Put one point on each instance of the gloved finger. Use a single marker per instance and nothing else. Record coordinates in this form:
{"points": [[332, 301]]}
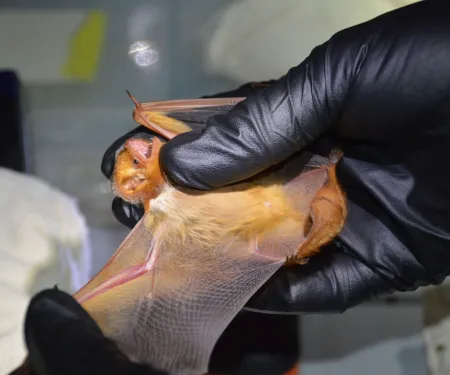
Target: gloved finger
{"points": [[129, 214], [126, 213], [331, 281], [107, 165], [242, 91], [255, 134], [63, 340], [270, 124]]}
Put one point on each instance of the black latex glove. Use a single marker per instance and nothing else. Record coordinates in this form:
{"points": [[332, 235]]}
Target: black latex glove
{"points": [[380, 91], [129, 214], [62, 339]]}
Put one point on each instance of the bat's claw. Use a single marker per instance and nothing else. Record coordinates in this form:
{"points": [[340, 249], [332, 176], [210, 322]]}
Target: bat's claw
{"points": [[296, 260], [136, 103], [335, 155]]}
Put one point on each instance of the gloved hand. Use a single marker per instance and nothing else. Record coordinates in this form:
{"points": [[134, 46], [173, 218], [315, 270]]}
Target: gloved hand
{"points": [[129, 214], [381, 92], [62, 339]]}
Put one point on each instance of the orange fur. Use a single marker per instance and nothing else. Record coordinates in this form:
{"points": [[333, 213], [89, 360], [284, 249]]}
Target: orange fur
{"points": [[138, 181]]}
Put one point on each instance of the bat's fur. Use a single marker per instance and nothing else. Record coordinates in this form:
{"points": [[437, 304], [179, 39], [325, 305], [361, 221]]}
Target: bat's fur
{"points": [[215, 217], [259, 208], [135, 180]]}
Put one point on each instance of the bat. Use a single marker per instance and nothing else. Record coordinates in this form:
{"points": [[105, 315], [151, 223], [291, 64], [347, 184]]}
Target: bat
{"points": [[195, 258]]}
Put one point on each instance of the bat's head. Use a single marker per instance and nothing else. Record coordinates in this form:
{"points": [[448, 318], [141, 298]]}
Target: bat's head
{"points": [[137, 177]]}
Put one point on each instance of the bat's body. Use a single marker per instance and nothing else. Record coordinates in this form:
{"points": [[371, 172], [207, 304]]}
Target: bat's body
{"points": [[195, 258], [243, 209], [252, 207]]}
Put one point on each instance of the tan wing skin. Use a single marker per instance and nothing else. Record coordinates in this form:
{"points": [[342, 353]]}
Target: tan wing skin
{"points": [[193, 261]]}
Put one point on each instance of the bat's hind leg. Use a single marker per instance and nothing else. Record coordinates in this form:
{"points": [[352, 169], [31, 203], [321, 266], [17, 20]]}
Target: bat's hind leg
{"points": [[295, 260], [328, 213]]}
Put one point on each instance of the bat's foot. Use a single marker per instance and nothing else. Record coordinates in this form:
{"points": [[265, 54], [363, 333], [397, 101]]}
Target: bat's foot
{"points": [[335, 155], [296, 260], [328, 213]]}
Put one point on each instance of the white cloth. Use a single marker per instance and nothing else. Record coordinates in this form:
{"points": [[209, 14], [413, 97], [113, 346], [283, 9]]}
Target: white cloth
{"points": [[256, 40], [43, 242]]}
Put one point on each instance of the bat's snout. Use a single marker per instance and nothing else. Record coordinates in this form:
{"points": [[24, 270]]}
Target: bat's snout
{"points": [[134, 181]]}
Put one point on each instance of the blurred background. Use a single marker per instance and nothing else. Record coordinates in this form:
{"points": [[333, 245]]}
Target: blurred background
{"points": [[65, 66]]}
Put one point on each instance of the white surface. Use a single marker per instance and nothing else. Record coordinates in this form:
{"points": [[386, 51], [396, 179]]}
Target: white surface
{"points": [[263, 39], [36, 43], [43, 242]]}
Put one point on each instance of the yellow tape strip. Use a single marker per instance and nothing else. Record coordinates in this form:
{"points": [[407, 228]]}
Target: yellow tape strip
{"points": [[85, 48]]}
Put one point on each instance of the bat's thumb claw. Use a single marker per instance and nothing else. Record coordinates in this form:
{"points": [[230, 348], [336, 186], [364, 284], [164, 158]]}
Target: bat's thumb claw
{"points": [[335, 155]]}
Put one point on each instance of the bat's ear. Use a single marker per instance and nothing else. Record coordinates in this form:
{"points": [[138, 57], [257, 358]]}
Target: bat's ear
{"points": [[161, 124], [320, 199], [139, 149], [145, 153]]}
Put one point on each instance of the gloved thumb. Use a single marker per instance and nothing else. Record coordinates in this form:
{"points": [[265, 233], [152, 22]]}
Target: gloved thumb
{"points": [[63, 339]]}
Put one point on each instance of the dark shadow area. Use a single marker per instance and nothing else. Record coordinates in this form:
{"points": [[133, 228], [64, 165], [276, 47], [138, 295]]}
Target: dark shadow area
{"points": [[256, 343]]}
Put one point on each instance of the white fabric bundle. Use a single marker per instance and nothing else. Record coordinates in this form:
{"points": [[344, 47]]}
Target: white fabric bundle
{"points": [[262, 39], [43, 242]]}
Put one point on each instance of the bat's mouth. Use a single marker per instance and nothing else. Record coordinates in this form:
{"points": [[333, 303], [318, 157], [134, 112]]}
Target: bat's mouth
{"points": [[133, 182]]}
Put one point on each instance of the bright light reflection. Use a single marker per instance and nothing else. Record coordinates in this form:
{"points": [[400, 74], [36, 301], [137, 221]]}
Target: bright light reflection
{"points": [[143, 53]]}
